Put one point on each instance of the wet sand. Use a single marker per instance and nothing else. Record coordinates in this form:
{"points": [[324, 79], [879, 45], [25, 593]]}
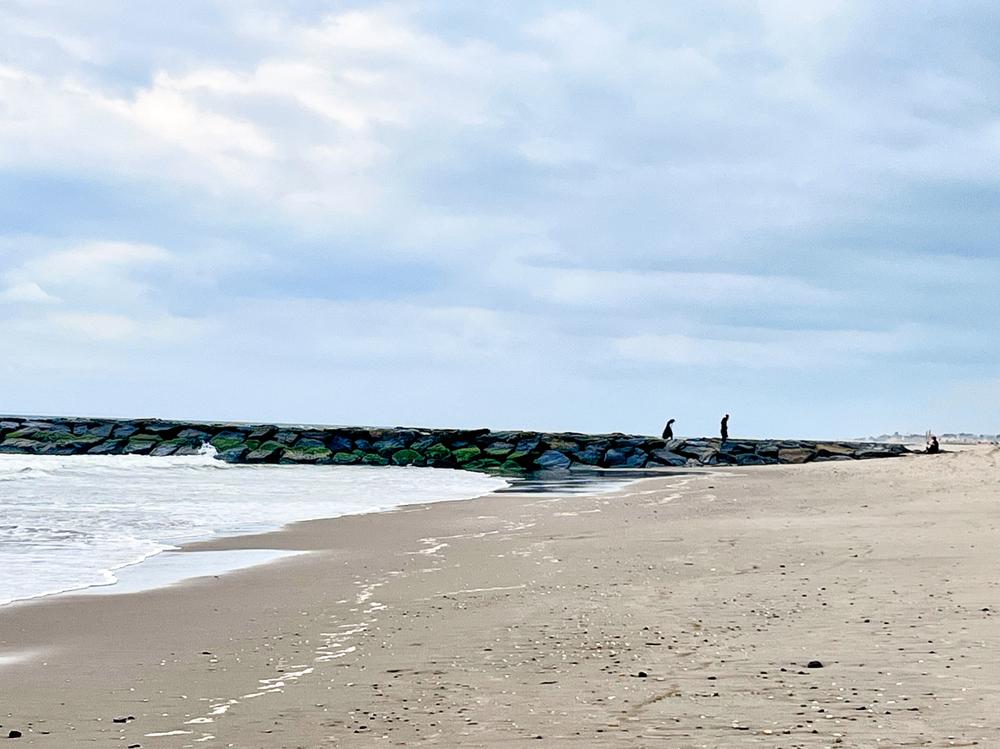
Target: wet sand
{"points": [[680, 612]]}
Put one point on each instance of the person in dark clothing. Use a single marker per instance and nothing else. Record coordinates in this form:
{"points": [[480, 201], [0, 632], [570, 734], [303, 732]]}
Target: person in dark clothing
{"points": [[933, 446], [724, 427], [668, 430]]}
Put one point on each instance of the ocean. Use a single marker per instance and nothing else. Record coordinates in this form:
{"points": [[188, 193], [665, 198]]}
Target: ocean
{"points": [[69, 523]]}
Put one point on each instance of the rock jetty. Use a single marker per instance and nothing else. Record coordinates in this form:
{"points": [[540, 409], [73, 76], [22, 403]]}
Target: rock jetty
{"points": [[504, 452]]}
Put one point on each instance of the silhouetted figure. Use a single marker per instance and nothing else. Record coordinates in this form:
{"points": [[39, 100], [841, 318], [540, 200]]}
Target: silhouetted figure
{"points": [[724, 427], [668, 430], [933, 446]]}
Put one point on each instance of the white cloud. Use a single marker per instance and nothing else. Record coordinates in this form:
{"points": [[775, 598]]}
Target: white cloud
{"points": [[668, 291], [755, 349], [105, 275], [558, 190], [96, 326], [27, 292]]}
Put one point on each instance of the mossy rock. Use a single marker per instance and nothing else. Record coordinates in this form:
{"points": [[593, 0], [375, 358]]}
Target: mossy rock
{"points": [[510, 468], [485, 465], [183, 442], [140, 446], [145, 437], [268, 452], [408, 458], [391, 444], [374, 459], [562, 445], [20, 445], [227, 441], [421, 444], [499, 450], [465, 454], [263, 432], [55, 437], [233, 455], [520, 457], [23, 433], [437, 452], [346, 459], [307, 454]]}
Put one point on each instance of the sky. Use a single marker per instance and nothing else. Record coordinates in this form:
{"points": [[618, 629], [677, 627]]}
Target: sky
{"points": [[586, 216]]}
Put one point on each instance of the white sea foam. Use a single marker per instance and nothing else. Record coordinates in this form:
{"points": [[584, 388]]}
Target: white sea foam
{"points": [[69, 522]]}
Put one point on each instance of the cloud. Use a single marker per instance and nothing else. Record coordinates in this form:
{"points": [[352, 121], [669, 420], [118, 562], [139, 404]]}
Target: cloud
{"points": [[92, 274], [594, 288], [800, 349], [27, 292], [535, 209]]}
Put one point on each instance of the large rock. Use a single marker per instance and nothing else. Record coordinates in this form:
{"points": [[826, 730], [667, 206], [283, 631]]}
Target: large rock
{"points": [[233, 454], [752, 459], [465, 454], [20, 445], [795, 455], [499, 450], [101, 431], [422, 443], [483, 465], [438, 452], [667, 458], [307, 450], [625, 457], [552, 460], [140, 444], [124, 431], [590, 455], [340, 443], [874, 452], [528, 444], [262, 433], [164, 429], [286, 436], [407, 457], [267, 452], [111, 447], [164, 449], [227, 440], [391, 444], [826, 449], [195, 435]]}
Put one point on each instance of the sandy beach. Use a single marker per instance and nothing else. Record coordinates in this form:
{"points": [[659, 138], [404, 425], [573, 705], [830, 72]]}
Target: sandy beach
{"points": [[829, 604]]}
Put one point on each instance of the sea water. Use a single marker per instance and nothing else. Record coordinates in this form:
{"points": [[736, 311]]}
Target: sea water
{"points": [[68, 523]]}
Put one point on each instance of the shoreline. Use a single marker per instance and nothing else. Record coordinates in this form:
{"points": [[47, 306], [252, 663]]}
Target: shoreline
{"points": [[147, 507], [647, 613], [581, 483]]}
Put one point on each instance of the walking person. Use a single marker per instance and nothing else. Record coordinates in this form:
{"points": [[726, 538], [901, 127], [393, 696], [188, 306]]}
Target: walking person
{"points": [[668, 430], [724, 427]]}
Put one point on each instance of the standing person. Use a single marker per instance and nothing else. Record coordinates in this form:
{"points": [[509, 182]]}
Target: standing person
{"points": [[668, 430], [724, 427]]}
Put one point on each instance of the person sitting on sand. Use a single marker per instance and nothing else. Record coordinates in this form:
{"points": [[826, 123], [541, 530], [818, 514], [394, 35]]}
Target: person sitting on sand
{"points": [[932, 446], [724, 427], [668, 430]]}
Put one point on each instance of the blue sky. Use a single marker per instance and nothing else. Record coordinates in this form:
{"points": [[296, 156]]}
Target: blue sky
{"points": [[585, 216]]}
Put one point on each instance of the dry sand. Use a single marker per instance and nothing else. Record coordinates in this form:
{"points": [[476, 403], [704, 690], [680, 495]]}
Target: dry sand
{"points": [[681, 612]]}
